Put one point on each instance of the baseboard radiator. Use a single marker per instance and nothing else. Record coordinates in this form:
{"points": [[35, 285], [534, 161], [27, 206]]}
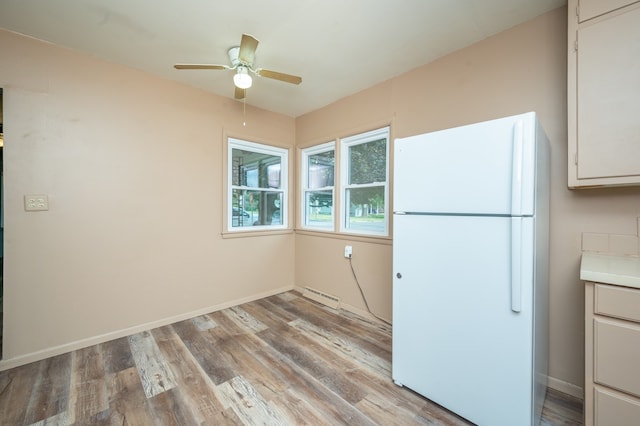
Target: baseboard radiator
{"points": [[321, 297]]}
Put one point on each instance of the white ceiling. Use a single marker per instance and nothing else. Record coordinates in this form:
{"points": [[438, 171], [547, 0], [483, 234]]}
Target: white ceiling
{"points": [[338, 47]]}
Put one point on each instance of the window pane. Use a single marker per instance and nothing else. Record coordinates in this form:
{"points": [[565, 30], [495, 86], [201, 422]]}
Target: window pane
{"points": [[254, 169], [319, 209], [273, 201], [368, 162], [320, 169], [366, 209], [255, 208]]}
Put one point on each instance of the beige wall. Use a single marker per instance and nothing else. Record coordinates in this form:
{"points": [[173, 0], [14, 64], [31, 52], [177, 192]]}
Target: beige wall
{"points": [[522, 69], [133, 167]]}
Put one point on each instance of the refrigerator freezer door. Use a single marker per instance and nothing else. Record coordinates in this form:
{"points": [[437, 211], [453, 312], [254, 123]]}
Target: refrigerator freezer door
{"points": [[484, 168], [456, 338]]}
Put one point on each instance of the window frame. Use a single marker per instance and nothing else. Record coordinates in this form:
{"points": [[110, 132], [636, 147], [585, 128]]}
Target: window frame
{"points": [[305, 154], [259, 148], [345, 168]]}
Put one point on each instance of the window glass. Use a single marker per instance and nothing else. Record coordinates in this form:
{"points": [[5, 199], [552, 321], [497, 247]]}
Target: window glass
{"points": [[318, 182], [368, 162], [258, 185], [364, 171]]}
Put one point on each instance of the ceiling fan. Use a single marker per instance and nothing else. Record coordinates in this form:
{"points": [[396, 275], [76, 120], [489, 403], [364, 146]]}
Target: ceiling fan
{"points": [[241, 58]]}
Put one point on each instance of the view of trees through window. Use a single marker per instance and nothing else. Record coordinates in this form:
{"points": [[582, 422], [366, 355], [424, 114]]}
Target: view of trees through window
{"points": [[368, 165], [257, 176], [363, 173], [318, 168], [365, 188]]}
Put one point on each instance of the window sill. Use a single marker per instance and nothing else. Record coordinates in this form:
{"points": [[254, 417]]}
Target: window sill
{"points": [[310, 232], [261, 233]]}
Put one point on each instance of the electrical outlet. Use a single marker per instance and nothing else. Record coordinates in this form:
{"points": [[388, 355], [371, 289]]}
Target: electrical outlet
{"points": [[348, 251], [36, 202]]}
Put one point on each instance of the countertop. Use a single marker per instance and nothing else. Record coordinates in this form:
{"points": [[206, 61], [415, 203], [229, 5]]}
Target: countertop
{"points": [[610, 269]]}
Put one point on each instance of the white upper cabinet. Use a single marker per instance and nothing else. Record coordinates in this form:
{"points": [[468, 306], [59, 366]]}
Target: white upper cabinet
{"points": [[592, 8], [604, 93]]}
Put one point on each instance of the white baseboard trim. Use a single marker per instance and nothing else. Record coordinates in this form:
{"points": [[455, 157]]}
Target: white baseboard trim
{"points": [[7, 364], [564, 387]]}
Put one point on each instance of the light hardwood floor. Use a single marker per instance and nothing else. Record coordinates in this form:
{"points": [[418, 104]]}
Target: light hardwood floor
{"points": [[282, 360]]}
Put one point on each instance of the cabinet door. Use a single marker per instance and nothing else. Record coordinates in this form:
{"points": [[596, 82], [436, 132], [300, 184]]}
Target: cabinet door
{"points": [[592, 8], [607, 102]]}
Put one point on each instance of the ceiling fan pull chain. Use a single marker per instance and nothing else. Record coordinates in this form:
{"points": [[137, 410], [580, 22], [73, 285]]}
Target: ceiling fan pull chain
{"points": [[244, 109]]}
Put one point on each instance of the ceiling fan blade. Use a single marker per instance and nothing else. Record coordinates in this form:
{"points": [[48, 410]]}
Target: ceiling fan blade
{"points": [[200, 67], [248, 46], [240, 93], [287, 78]]}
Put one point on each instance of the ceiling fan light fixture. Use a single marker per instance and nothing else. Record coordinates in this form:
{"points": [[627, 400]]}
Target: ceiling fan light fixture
{"points": [[242, 79]]}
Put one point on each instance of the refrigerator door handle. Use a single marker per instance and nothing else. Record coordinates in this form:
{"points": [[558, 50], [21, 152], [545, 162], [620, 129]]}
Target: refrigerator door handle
{"points": [[516, 264], [516, 171]]}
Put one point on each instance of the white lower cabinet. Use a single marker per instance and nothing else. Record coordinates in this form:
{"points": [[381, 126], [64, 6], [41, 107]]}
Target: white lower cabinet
{"points": [[612, 355]]}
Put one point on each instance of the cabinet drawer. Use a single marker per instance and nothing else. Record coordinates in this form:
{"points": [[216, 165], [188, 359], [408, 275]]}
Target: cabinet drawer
{"points": [[619, 302], [612, 408], [616, 355]]}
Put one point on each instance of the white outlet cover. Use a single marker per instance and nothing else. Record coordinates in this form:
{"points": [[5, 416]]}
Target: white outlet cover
{"points": [[36, 202]]}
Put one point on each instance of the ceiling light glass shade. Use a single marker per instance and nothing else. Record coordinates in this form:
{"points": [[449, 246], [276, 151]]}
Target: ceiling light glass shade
{"points": [[242, 79]]}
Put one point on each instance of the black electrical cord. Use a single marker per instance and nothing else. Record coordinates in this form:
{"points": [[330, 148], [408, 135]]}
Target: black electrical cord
{"points": [[355, 277]]}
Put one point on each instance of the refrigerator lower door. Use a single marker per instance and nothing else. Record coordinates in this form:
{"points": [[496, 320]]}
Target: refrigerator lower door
{"points": [[457, 338]]}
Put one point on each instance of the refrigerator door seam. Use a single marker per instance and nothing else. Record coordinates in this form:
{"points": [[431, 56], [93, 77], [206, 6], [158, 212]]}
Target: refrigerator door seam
{"points": [[460, 214]]}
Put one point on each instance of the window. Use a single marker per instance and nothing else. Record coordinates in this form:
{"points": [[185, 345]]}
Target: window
{"points": [[364, 170], [257, 196], [317, 186]]}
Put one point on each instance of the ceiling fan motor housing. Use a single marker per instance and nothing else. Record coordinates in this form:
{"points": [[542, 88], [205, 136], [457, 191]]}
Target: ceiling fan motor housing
{"points": [[233, 56]]}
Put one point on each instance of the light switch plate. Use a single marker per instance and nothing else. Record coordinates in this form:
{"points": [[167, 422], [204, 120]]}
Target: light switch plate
{"points": [[36, 202]]}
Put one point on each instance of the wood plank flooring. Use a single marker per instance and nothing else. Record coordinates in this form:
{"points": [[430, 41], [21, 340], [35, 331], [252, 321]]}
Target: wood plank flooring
{"points": [[282, 360]]}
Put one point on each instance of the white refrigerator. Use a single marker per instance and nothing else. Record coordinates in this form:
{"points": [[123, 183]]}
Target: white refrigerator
{"points": [[470, 266]]}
